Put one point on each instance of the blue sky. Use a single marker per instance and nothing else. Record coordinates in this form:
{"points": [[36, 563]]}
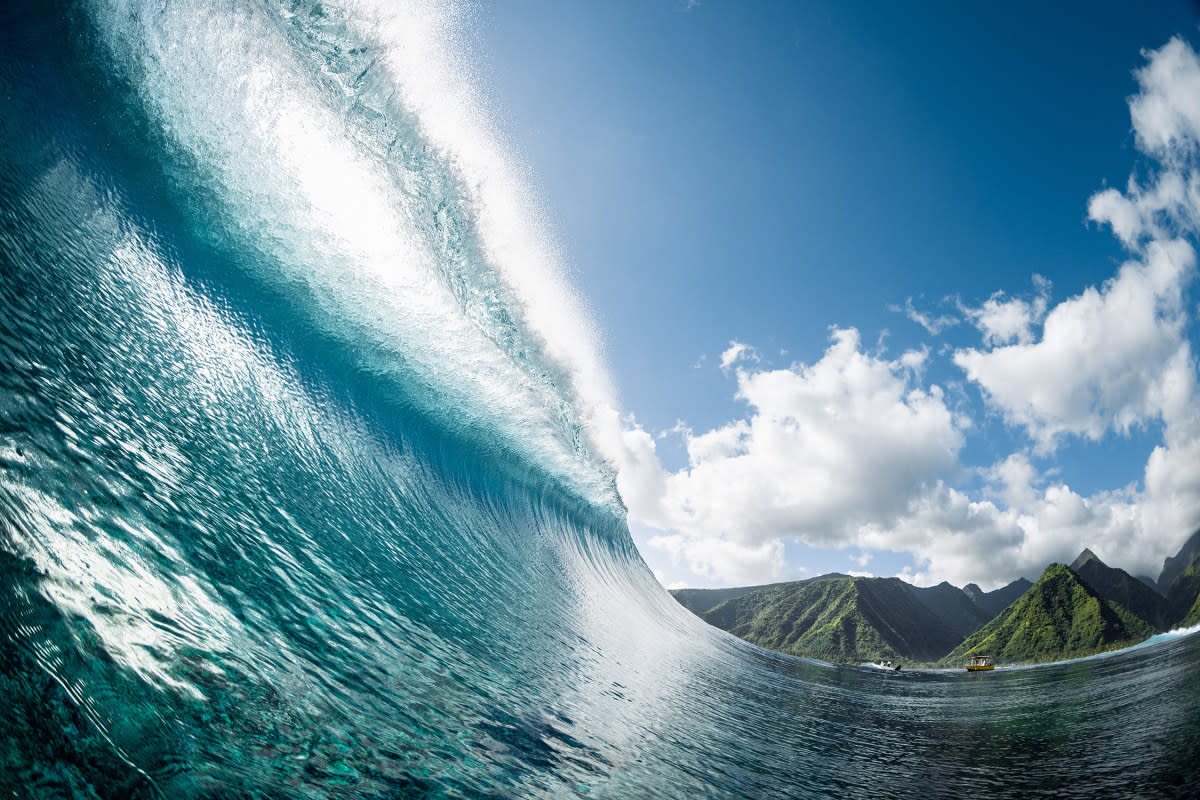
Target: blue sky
{"points": [[780, 175]]}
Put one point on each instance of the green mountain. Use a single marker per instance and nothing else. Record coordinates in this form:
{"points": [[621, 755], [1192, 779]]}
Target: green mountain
{"points": [[1177, 564], [953, 607], [1192, 617], [1071, 611], [837, 619], [993, 602], [1120, 587], [699, 601], [1059, 617], [1183, 600]]}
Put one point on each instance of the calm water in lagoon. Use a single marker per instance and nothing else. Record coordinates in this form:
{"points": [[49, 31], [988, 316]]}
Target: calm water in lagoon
{"points": [[294, 505]]}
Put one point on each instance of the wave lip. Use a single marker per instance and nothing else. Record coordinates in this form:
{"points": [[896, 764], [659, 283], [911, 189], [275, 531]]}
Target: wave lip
{"points": [[407, 250]]}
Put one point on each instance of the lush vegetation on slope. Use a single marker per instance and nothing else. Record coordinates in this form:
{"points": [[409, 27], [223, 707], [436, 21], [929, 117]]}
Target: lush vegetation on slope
{"points": [[1193, 616], [1120, 587], [699, 601], [837, 619], [1070, 612], [953, 606], [1060, 617], [1178, 564], [1183, 601]]}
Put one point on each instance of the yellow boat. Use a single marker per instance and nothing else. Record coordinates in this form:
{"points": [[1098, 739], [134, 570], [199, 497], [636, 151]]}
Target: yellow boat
{"points": [[979, 663]]}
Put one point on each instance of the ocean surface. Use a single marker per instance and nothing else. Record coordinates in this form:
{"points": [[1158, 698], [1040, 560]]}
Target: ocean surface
{"points": [[300, 495]]}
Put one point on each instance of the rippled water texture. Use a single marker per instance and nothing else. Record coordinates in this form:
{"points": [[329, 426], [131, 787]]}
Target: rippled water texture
{"points": [[296, 498]]}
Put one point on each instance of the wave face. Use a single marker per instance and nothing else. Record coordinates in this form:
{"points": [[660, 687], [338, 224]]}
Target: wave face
{"points": [[297, 486]]}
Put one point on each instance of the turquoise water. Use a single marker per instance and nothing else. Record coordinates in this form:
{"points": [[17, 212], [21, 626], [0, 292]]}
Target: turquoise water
{"points": [[298, 496]]}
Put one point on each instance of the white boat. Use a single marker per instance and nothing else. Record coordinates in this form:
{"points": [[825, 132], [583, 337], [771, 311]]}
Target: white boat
{"points": [[888, 665]]}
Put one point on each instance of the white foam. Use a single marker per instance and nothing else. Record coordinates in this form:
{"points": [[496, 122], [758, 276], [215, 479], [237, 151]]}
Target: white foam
{"points": [[430, 62], [271, 141]]}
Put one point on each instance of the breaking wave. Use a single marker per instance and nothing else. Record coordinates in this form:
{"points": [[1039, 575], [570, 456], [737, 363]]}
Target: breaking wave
{"points": [[302, 482]]}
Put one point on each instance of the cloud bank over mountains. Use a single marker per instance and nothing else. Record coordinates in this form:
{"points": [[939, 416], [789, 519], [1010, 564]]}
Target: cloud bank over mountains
{"points": [[856, 450]]}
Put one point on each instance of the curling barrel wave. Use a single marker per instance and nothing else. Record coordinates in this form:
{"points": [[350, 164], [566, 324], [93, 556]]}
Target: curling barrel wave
{"points": [[301, 493]]}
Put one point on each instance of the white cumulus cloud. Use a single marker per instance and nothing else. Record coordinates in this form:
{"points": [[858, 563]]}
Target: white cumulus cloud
{"points": [[737, 351], [954, 537], [854, 451], [1003, 319], [1106, 358], [932, 323], [825, 448], [1165, 112]]}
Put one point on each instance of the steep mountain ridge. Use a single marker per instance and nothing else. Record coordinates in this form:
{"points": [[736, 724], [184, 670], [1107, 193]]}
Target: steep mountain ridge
{"points": [[1183, 600], [1176, 565], [698, 601], [1085, 608], [1061, 616], [840, 619], [1117, 585], [995, 601], [953, 606]]}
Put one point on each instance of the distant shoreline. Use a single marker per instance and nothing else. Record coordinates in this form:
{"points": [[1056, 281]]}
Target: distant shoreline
{"points": [[1071, 612]]}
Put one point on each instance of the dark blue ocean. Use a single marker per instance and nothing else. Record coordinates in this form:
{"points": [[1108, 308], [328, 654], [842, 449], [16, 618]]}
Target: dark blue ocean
{"points": [[299, 497]]}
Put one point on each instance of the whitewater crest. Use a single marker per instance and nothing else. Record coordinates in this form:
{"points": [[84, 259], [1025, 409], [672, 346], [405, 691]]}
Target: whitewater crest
{"points": [[339, 148]]}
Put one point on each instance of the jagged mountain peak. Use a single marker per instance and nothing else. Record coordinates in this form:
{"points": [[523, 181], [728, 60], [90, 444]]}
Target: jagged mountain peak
{"points": [[1084, 557], [1059, 616]]}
